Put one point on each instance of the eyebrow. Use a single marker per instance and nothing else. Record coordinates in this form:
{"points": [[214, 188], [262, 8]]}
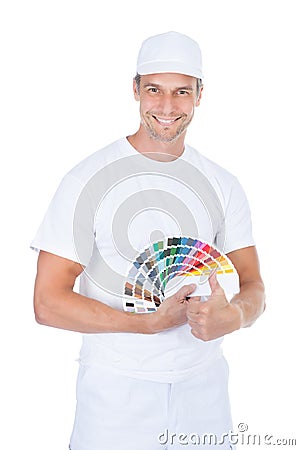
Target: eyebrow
{"points": [[185, 88]]}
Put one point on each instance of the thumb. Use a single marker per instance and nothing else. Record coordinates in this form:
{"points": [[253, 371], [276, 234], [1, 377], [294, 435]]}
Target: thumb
{"points": [[216, 288]]}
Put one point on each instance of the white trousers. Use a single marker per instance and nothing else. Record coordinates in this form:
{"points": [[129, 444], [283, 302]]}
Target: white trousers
{"points": [[116, 412]]}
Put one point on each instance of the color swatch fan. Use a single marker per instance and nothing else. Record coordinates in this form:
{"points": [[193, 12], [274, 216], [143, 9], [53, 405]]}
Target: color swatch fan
{"points": [[160, 270]]}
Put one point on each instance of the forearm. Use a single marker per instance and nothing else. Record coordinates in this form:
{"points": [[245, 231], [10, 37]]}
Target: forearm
{"points": [[250, 302], [57, 305], [75, 312]]}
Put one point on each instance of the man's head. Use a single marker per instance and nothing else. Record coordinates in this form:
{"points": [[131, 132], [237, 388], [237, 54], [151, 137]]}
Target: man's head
{"points": [[168, 84]]}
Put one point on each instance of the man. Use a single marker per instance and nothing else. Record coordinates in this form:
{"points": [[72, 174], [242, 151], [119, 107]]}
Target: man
{"points": [[148, 380]]}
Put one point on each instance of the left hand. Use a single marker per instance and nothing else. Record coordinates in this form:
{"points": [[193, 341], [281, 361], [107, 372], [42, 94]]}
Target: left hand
{"points": [[215, 317]]}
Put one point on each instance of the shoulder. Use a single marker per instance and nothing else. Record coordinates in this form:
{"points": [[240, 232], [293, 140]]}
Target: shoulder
{"points": [[88, 167], [220, 178]]}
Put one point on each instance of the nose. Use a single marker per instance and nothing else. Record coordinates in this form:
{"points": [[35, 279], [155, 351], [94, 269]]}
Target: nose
{"points": [[167, 104]]}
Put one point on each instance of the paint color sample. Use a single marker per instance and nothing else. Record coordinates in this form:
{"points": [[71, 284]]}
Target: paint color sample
{"points": [[165, 260]]}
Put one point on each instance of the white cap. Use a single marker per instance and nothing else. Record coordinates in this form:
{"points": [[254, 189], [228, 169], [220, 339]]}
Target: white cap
{"points": [[170, 52]]}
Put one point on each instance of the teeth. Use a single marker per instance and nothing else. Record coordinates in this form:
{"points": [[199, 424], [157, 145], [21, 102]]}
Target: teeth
{"points": [[166, 121]]}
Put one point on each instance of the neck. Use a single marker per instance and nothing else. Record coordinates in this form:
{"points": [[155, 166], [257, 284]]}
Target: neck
{"points": [[154, 149]]}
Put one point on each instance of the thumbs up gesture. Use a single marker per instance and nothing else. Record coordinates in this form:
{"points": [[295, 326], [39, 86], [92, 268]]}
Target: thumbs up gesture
{"points": [[215, 317]]}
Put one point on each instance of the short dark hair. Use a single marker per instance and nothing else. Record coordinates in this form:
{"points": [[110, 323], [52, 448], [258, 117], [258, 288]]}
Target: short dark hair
{"points": [[137, 79]]}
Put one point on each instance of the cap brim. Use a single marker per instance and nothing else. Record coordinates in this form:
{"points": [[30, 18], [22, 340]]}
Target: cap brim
{"points": [[168, 67]]}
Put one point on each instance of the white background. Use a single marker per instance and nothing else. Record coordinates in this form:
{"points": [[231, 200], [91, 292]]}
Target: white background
{"points": [[66, 75]]}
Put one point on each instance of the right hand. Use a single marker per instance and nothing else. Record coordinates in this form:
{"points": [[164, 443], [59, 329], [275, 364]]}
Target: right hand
{"points": [[172, 312]]}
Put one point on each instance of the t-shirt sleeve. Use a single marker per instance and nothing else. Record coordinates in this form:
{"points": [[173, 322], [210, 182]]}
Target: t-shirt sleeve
{"points": [[238, 224], [65, 223]]}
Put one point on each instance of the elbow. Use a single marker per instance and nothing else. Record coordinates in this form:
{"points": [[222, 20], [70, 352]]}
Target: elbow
{"points": [[40, 317], [41, 312], [263, 304]]}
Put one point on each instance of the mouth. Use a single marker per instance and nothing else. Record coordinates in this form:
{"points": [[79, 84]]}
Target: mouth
{"points": [[166, 122]]}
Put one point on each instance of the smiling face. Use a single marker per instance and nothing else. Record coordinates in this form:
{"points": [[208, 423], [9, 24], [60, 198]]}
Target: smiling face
{"points": [[167, 103]]}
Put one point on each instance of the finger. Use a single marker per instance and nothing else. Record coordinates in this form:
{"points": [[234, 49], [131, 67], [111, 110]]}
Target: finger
{"points": [[185, 291], [193, 299], [195, 306], [194, 318], [197, 333], [216, 288]]}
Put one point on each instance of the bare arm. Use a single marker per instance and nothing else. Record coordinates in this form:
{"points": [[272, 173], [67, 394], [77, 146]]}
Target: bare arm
{"points": [[57, 305], [217, 317], [251, 298]]}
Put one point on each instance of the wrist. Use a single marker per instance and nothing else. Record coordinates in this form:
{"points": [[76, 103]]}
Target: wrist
{"points": [[153, 323], [145, 323]]}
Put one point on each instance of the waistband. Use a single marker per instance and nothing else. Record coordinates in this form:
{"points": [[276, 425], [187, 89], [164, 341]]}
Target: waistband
{"points": [[165, 376]]}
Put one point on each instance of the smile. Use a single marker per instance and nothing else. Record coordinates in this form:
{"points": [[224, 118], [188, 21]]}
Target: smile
{"points": [[165, 122]]}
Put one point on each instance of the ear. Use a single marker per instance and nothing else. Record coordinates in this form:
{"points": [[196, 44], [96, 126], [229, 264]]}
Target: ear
{"points": [[199, 96], [135, 91]]}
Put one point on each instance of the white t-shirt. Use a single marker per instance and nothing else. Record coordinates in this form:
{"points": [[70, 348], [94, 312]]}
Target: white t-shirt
{"points": [[110, 208]]}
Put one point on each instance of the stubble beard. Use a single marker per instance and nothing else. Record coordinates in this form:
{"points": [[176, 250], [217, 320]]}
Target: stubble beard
{"points": [[163, 136]]}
